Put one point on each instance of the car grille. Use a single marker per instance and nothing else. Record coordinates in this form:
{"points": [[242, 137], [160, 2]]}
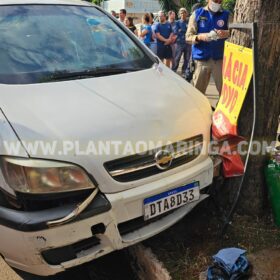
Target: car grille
{"points": [[140, 166]]}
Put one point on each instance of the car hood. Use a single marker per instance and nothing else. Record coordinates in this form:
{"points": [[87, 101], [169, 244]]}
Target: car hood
{"points": [[82, 116]]}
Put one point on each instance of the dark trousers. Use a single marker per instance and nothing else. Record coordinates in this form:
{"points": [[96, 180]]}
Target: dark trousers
{"points": [[182, 49]]}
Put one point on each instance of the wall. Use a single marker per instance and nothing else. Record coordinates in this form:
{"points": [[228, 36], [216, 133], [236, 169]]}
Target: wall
{"points": [[133, 6]]}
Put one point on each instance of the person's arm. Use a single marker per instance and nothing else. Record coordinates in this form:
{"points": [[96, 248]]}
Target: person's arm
{"points": [[144, 32], [175, 33], [154, 37], [192, 36], [171, 39], [136, 32], [174, 38], [223, 34], [162, 39]]}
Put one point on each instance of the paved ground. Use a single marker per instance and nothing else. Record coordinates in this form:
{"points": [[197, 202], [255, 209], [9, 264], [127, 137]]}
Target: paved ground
{"points": [[212, 93]]}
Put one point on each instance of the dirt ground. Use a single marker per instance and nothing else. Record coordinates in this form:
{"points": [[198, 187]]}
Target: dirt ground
{"points": [[266, 264], [187, 248]]}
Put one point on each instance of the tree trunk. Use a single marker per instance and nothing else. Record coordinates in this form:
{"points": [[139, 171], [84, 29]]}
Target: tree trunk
{"points": [[266, 14]]}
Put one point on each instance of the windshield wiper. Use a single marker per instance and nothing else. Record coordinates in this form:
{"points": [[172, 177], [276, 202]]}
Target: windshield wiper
{"points": [[96, 72]]}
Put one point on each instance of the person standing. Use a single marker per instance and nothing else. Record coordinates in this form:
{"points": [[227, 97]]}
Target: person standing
{"points": [[164, 36], [183, 48], [153, 46], [172, 21], [128, 21], [207, 31], [114, 14], [196, 6], [122, 15], [146, 30]]}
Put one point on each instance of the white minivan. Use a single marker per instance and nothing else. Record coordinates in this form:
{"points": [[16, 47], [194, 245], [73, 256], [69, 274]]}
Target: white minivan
{"points": [[101, 145]]}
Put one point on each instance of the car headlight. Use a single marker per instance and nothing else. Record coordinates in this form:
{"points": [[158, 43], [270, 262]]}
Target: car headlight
{"points": [[42, 176]]}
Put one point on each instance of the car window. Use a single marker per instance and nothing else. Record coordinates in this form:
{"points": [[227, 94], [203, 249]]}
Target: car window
{"points": [[37, 41]]}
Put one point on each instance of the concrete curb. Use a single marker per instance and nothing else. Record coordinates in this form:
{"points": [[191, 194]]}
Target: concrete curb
{"points": [[6, 273], [146, 265]]}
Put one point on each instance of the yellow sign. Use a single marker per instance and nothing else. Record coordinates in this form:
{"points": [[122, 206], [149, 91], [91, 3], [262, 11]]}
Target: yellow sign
{"points": [[237, 74]]}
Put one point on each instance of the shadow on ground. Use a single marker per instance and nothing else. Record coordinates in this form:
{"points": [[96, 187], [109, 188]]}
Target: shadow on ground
{"points": [[113, 266]]}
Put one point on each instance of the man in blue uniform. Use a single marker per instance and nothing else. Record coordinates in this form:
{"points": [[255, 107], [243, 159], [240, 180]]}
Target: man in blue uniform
{"points": [[207, 31], [183, 48]]}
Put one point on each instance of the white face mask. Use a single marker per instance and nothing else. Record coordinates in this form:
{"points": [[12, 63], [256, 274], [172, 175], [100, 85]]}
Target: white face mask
{"points": [[214, 7]]}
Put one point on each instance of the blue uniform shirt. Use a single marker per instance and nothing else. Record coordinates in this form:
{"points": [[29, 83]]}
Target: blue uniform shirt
{"points": [[207, 21], [173, 25], [181, 29], [148, 37], [164, 29]]}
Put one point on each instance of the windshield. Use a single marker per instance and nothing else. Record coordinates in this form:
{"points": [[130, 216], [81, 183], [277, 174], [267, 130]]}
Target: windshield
{"points": [[41, 41]]}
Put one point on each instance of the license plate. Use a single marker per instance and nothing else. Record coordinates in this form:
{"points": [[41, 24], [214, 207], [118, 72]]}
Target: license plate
{"points": [[170, 200]]}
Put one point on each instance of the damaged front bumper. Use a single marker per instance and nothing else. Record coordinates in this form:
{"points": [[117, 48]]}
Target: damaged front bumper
{"points": [[109, 223]]}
